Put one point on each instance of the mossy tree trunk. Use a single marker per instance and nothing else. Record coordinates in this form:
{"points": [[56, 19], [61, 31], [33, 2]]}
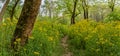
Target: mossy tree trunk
{"points": [[26, 22]]}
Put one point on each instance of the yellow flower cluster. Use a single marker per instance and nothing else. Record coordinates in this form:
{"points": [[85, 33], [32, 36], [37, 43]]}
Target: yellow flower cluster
{"points": [[103, 36]]}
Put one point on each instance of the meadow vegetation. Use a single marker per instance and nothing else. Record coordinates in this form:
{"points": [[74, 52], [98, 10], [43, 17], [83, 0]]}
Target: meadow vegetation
{"points": [[86, 38]]}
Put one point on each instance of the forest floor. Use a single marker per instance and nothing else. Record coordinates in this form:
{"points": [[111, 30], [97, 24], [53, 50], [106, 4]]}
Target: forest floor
{"points": [[65, 46]]}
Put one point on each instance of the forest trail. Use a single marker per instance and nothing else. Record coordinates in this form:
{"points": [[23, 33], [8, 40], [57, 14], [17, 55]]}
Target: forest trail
{"points": [[65, 46]]}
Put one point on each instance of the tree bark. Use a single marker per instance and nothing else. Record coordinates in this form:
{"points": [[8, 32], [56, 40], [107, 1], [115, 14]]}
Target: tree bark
{"points": [[26, 22], [73, 13], [3, 9]]}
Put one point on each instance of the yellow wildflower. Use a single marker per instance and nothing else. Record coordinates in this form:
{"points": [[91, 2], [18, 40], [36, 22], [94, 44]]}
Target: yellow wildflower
{"points": [[11, 23], [97, 50], [15, 42], [101, 39], [111, 54], [40, 28], [103, 42], [18, 39], [50, 38], [8, 19], [25, 49], [4, 24], [98, 42], [111, 44], [41, 44], [57, 33], [31, 37], [86, 38], [36, 53], [118, 27]]}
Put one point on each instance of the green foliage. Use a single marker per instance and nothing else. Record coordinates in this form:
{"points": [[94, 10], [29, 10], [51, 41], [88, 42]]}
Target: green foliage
{"points": [[6, 31], [114, 16]]}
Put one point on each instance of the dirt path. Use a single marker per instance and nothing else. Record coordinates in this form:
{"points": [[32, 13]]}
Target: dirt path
{"points": [[65, 46]]}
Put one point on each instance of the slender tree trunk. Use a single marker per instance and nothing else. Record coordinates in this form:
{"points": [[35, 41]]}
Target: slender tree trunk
{"points": [[50, 13], [86, 13], [85, 8], [13, 9], [3, 9], [73, 13], [111, 4], [26, 22], [112, 9], [50, 8]]}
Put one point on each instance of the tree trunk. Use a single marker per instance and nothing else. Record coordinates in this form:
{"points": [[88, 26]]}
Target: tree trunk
{"points": [[50, 13], [85, 8], [13, 9], [26, 22], [73, 13], [112, 4], [86, 13], [50, 8], [112, 9], [3, 9]]}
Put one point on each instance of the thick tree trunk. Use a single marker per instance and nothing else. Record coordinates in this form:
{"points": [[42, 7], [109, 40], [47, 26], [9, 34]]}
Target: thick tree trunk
{"points": [[26, 22], [73, 13], [13, 9], [3, 9]]}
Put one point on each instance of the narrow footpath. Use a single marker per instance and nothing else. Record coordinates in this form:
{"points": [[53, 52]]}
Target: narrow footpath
{"points": [[65, 46]]}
